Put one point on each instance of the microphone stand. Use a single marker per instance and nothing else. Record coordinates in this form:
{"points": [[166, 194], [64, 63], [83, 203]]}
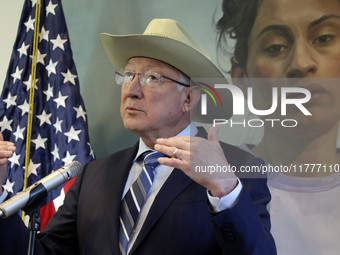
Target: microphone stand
{"points": [[36, 196], [34, 227]]}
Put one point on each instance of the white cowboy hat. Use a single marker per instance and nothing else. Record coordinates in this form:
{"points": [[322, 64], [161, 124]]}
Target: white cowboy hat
{"points": [[166, 40]]}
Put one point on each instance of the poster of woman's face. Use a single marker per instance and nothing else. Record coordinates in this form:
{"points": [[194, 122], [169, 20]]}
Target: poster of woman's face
{"points": [[281, 45]]}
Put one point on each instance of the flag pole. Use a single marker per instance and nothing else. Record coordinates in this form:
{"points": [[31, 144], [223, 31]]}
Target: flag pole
{"points": [[32, 90]]}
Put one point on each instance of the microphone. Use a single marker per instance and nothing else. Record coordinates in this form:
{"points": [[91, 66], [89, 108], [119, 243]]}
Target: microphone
{"points": [[50, 182]]}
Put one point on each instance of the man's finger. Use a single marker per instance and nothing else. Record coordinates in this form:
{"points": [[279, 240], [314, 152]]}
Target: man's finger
{"points": [[172, 162], [7, 147], [182, 142], [213, 134], [167, 150]]}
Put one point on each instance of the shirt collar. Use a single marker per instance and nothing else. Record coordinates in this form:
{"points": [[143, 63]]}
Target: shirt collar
{"points": [[190, 130]]}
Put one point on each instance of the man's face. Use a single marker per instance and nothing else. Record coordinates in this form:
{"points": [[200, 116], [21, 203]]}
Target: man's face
{"points": [[153, 112], [299, 39]]}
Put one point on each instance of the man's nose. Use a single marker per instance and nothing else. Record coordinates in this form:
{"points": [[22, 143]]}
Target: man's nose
{"points": [[303, 60], [134, 89]]}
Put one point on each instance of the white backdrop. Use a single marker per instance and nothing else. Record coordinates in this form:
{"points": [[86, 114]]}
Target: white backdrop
{"points": [[9, 19]]}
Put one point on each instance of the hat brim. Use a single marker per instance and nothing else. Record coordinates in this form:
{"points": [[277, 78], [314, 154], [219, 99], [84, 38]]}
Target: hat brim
{"points": [[121, 48]]}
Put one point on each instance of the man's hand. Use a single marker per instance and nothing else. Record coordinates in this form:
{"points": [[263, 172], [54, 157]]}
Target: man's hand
{"points": [[196, 151], [6, 151]]}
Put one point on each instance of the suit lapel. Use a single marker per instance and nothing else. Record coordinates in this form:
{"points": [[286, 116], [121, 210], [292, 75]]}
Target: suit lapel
{"points": [[173, 186], [119, 171], [202, 133]]}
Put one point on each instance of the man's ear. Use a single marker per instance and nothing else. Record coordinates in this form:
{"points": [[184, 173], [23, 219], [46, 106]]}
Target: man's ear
{"points": [[238, 76], [193, 95]]}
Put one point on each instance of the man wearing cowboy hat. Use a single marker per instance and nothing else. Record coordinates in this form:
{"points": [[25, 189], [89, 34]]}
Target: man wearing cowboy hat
{"points": [[177, 214]]}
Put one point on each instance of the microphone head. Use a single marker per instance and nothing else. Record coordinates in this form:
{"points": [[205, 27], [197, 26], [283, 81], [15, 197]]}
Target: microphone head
{"points": [[73, 169]]}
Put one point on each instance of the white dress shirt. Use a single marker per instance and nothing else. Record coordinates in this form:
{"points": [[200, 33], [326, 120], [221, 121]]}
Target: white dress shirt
{"points": [[3, 195]]}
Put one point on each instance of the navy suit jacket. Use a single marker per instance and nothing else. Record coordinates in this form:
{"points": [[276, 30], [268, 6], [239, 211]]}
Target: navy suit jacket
{"points": [[179, 221]]}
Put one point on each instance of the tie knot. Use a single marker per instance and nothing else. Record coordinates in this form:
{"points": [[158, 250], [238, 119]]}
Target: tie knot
{"points": [[151, 158]]}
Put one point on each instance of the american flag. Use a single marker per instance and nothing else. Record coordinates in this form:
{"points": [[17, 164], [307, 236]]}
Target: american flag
{"points": [[59, 132]]}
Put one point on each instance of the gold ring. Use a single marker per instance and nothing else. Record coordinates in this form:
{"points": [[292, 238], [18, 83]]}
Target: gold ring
{"points": [[174, 153]]}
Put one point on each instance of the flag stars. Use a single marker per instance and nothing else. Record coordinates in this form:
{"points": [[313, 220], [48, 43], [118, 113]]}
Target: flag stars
{"points": [[51, 67], [29, 24], [10, 100], [24, 108], [69, 77], [39, 142], [14, 159], [48, 110], [57, 125], [50, 8], [91, 150], [23, 49], [44, 118], [80, 112], [69, 158], [60, 100], [9, 186], [19, 133], [55, 153], [58, 43], [6, 124], [32, 168], [28, 83], [43, 35], [72, 135], [40, 57], [17, 74], [49, 92], [33, 2]]}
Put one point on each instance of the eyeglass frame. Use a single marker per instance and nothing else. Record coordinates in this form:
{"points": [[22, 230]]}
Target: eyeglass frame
{"points": [[135, 73]]}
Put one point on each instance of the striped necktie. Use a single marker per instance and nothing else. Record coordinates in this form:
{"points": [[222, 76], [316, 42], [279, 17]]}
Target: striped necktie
{"points": [[135, 197]]}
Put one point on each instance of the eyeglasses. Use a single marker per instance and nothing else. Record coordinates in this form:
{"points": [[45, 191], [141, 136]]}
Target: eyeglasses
{"points": [[149, 78]]}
